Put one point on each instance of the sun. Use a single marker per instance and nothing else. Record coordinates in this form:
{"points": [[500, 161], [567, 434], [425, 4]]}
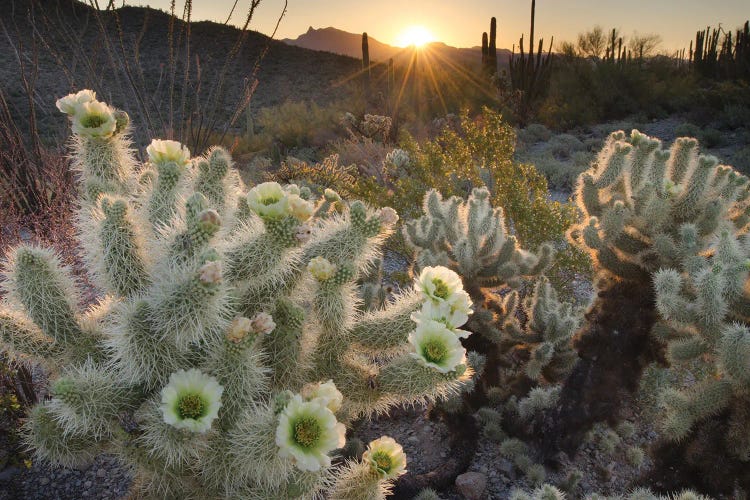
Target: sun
{"points": [[417, 36]]}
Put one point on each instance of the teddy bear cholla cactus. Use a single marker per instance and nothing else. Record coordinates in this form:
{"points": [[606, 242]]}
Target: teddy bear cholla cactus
{"points": [[644, 207], [214, 365], [704, 306], [469, 236]]}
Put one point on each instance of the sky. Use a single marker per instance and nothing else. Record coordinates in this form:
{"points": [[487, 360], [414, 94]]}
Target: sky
{"points": [[461, 22]]}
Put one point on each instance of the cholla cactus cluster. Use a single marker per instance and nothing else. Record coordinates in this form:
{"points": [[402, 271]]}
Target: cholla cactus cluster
{"points": [[229, 349], [372, 126], [469, 236], [704, 306], [549, 492], [646, 207]]}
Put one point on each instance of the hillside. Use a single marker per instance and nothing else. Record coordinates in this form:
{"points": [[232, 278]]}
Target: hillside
{"points": [[74, 54], [342, 42]]}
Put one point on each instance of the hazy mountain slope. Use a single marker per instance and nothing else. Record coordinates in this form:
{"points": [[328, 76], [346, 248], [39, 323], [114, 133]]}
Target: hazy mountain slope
{"points": [[350, 44], [78, 58]]}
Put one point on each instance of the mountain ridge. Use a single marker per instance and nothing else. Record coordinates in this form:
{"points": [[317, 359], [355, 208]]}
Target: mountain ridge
{"points": [[337, 41]]}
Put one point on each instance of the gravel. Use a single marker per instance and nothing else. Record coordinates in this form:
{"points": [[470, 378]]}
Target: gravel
{"points": [[104, 479]]}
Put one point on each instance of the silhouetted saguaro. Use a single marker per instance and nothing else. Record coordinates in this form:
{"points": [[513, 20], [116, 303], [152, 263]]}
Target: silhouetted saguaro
{"points": [[492, 49], [365, 62]]}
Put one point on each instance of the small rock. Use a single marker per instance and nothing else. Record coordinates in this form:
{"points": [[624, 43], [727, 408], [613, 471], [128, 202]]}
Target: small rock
{"points": [[87, 484], [44, 481], [472, 485], [101, 473], [412, 439]]}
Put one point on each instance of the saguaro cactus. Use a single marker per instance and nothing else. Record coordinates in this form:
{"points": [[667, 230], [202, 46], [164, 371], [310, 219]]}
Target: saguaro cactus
{"points": [[365, 62], [492, 48], [226, 354]]}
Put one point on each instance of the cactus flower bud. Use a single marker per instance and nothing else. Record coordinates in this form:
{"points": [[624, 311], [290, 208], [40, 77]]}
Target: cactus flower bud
{"points": [[262, 323], [209, 218], [210, 272], [325, 393], [388, 216], [239, 329], [299, 208], [331, 195], [321, 268], [303, 234]]}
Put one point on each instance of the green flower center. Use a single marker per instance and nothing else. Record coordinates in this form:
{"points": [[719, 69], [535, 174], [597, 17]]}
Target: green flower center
{"points": [[191, 406], [383, 461], [441, 289], [434, 351], [93, 121], [270, 200], [307, 432]]}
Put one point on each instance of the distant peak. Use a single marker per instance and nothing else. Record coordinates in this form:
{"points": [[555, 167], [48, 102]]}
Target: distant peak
{"points": [[310, 29]]}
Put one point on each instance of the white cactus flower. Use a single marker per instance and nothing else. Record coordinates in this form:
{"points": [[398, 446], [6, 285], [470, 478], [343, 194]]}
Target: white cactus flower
{"points": [[299, 208], [68, 103], [444, 314], [307, 432], [386, 457], [165, 151], [268, 200], [191, 400], [440, 284], [262, 323], [325, 393], [94, 119], [321, 268], [437, 347]]}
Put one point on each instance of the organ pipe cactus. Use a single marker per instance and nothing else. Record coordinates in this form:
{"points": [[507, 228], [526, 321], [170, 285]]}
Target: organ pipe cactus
{"points": [[228, 347]]}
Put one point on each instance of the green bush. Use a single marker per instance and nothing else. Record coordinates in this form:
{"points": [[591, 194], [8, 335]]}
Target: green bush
{"points": [[584, 92], [534, 133], [295, 125]]}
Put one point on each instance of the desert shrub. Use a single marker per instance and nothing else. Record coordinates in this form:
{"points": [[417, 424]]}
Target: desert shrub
{"points": [[582, 91], [17, 394], [366, 154], [534, 133], [295, 125], [687, 129], [709, 137], [742, 159], [562, 146], [560, 175], [734, 116], [712, 138]]}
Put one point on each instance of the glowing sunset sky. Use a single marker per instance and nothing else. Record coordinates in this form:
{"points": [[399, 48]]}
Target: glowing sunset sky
{"points": [[460, 23]]}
